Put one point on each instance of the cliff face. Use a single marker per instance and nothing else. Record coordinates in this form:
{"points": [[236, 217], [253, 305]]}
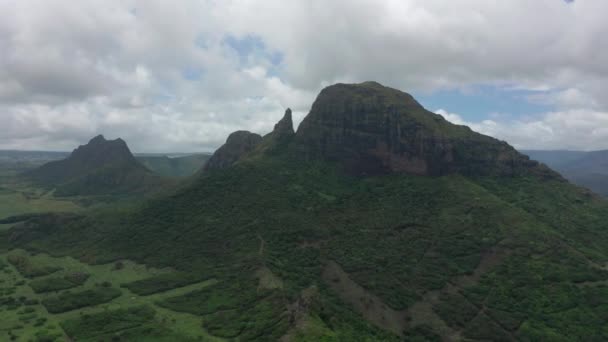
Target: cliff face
{"points": [[372, 129], [238, 144], [284, 128]]}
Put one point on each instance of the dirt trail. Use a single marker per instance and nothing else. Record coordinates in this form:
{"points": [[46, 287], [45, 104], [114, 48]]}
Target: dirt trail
{"points": [[369, 305], [489, 259], [373, 309], [262, 245], [422, 311]]}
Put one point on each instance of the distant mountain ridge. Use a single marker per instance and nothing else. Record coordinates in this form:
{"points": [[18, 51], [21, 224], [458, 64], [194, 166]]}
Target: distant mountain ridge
{"points": [[99, 167], [176, 165], [588, 169]]}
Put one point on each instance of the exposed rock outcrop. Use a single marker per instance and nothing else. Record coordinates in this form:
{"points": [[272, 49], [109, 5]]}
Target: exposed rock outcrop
{"points": [[237, 145], [285, 126], [373, 129]]}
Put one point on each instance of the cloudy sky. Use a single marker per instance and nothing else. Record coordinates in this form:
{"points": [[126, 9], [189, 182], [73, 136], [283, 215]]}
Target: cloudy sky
{"points": [[181, 75]]}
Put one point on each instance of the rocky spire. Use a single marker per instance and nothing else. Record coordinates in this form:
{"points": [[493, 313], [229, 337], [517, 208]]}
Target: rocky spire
{"points": [[285, 126]]}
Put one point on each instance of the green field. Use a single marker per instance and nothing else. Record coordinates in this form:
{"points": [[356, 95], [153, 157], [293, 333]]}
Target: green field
{"points": [[27, 200], [17, 197], [24, 316], [45, 298]]}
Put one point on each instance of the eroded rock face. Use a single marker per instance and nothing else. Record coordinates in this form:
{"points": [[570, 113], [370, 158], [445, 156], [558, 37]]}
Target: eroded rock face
{"points": [[372, 129], [237, 145], [285, 126]]}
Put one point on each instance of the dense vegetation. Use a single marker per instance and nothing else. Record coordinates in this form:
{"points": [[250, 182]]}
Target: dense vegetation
{"points": [[29, 269], [298, 247], [108, 322], [52, 283], [161, 282], [134, 323], [67, 301], [446, 226]]}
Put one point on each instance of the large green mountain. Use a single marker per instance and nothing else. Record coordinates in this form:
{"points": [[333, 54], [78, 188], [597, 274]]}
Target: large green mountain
{"points": [[376, 221], [98, 168]]}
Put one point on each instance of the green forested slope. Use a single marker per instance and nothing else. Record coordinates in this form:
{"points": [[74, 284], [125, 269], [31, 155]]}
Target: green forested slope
{"points": [[302, 250], [398, 237]]}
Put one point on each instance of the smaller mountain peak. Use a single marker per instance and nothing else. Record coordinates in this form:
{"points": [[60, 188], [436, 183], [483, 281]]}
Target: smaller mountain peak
{"points": [[98, 139], [285, 125], [99, 150], [239, 137], [238, 144], [100, 166], [372, 84]]}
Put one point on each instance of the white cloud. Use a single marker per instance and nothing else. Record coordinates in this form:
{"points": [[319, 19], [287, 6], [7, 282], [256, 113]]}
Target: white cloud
{"points": [[575, 129], [69, 70]]}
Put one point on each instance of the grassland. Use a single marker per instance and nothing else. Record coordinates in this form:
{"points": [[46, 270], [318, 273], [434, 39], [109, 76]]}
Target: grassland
{"points": [[18, 197], [119, 312], [46, 298], [22, 200]]}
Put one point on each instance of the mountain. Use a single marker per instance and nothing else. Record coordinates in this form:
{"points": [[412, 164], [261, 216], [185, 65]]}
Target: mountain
{"points": [[376, 221], [587, 169], [238, 144], [374, 129], [99, 167], [178, 166]]}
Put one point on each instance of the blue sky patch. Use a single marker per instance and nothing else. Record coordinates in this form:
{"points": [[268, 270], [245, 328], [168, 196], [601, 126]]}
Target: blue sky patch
{"points": [[483, 102], [192, 73], [253, 46]]}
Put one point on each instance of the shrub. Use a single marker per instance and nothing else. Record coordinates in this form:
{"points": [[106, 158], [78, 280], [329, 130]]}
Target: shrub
{"points": [[74, 300]]}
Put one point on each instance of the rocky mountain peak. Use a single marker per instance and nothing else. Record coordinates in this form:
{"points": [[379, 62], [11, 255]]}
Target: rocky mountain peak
{"points": [[285, 125], [99, 151], [237, 145], [373, 129], [100, 166], [99, 139]]}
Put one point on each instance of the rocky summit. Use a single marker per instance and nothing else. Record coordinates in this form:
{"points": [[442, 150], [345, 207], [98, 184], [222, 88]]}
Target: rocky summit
{"points": [[238, 144], [285, 126], [373, 129], [100, 151], [99, 167]]}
